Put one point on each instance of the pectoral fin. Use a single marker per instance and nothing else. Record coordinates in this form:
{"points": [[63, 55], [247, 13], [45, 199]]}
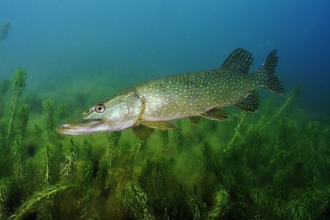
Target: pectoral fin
{"points": [[162, 125], [142, 132], [216, 114]]}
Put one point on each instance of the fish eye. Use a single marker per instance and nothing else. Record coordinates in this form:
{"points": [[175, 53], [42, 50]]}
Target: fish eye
{"points": [[99, 108]]}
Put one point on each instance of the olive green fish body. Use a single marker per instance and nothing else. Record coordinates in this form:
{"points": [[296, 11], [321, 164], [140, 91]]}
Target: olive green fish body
{"points": [[190, 94], [152, 104]]}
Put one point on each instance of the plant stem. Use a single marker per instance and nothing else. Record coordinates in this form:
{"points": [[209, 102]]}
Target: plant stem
{"points": [[17, 89]]}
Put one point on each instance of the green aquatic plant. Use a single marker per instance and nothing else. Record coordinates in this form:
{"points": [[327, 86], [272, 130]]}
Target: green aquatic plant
{"points": [[13, 128], [47, 211], [60, 112], [297, 210], [85, 171], [85, 167], [110, 158], [40, 198], [313, 133], [279, 208], [90, 194], [258, 197], [178, 138], [208, 164], [70, 148], [48, 114], [281, 159], [221, 204], [252, 146], [4, 85], [229, 183], [86, 150], [134, 200], [281, 181], [326, 154], [309, 200], [293, 94], [141, 146], [326, 136], [48, 158], [17, 154], [46, 154], [22, 119], [311, 169], [236, 131], [196, 204], [164, 137], [154, 176], [114, 138], [288, 133], [4, 194], [180, 204], [324, 208], [17, 89], [267, 110], [52, 114], [156, 172]]}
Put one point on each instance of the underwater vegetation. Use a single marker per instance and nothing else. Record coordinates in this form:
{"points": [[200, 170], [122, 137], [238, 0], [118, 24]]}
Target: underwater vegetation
{"points": [[269, 165]]}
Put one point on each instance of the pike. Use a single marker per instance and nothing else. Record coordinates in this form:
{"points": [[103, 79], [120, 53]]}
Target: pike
{"points": [[153, 104]]}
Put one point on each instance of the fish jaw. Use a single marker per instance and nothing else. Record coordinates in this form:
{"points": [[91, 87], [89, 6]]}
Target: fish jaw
{"points": [[83, 127]]}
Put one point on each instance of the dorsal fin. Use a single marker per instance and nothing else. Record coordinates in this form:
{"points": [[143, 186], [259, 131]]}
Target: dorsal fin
{"points": [[239, 60]]}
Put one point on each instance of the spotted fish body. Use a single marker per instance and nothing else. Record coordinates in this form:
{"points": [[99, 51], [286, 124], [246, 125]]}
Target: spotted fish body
{"points": [[191, 94], [152, 104]]}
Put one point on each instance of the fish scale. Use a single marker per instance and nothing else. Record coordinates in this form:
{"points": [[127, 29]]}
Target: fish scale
{"points": [[153, 104]]}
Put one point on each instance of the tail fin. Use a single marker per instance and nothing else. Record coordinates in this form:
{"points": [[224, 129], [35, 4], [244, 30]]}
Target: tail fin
{"points": [[267, 73]]}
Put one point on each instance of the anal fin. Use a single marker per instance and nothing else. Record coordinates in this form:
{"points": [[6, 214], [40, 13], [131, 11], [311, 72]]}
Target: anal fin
{"points": [[142, 132], [216, 114], [249, 103]]}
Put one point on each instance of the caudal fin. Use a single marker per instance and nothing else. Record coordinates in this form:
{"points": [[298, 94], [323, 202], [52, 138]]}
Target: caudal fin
{"points": [[267, 73]]}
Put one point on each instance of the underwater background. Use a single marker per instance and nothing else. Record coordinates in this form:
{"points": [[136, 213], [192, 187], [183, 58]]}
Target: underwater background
{"points": [[57, 58]]}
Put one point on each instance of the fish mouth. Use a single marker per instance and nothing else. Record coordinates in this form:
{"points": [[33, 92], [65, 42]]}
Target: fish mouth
{"points": [[84, 126]]}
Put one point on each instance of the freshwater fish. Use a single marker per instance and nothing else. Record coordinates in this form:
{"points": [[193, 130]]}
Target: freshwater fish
{"points": [[155, 103]]}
